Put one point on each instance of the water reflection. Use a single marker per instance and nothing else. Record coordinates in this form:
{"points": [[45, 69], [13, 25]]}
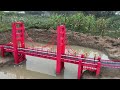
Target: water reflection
{"points": [[40, 68]]}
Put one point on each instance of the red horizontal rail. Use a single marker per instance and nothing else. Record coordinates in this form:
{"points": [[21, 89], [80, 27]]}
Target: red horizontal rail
{"points": [[70, 61], [19, 28], [48, 56]]}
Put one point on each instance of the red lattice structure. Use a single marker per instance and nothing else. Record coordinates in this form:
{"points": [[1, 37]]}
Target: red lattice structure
{"points": [[19, 50]]}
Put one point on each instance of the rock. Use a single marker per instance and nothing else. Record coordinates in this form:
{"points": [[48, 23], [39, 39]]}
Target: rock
{"points": [[116, 44], [96, 37], [96, 42], [110, 40], [114, 57], [107, 47], [113, 51]]}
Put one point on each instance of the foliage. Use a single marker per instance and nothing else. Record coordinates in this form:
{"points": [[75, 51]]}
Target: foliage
{"points": [[101, 25], [76, 22]]}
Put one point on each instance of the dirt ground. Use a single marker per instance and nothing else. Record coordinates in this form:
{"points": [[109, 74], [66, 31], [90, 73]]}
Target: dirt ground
{"points": [[106, 73], [106, 44]]}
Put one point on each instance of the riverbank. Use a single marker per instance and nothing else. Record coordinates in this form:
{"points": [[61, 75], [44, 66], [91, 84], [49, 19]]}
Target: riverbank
{"points": [[105, 44], [110, 46]]}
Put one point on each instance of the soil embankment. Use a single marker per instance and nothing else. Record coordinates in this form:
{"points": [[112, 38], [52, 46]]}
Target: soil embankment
{"points": [[106, 44]]}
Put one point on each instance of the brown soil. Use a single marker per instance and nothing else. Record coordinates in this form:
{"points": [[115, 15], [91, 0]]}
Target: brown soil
{"points": [[106, 44], [106, 73]]}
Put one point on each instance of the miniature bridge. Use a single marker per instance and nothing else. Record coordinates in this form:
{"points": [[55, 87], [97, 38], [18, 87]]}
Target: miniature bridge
{"points": [[20, 50]]}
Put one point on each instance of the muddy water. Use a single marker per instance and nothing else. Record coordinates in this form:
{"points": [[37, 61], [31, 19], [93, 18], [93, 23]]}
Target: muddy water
{"points": [[40, 68]]}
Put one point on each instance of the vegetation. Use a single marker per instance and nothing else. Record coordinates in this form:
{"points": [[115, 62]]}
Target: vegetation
{"points": [[80, 22]]}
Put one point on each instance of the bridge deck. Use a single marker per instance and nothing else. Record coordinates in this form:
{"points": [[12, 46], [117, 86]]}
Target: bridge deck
{"points": [[53, 56], [49, 55]]}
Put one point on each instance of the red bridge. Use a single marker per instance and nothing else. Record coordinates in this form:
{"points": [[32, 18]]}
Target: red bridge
{"points": [[19, 50]]}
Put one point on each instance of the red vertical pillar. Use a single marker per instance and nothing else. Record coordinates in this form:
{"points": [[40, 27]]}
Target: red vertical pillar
{"points": [[23, 39], [98, 66], [61, 31], [15, 46], [18, 36], [80, 68], [63, 35]]}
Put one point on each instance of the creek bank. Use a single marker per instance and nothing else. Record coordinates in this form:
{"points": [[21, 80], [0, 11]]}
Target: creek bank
{"points": [[110, 46]]}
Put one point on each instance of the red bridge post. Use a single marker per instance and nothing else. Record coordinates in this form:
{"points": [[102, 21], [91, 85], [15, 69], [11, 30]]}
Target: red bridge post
{"points": [[98, 66], [80, 69], [18, 41], [61, 32]]}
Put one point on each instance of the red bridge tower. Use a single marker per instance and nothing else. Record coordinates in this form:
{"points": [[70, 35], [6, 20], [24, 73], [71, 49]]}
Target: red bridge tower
{"points": [[18, 41], [61, 32]]}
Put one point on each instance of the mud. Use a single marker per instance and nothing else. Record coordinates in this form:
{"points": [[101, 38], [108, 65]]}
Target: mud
{"points": [[110, 46]]}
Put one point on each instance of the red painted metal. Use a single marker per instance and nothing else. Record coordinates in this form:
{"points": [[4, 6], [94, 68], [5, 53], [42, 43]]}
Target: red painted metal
{"points": [[80, 69], [60, 47], [98, 66], [80, 66], [18, 41], [83, 65]]}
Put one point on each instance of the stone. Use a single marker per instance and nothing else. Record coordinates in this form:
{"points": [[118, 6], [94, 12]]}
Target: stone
{"points": [[116, 44]]}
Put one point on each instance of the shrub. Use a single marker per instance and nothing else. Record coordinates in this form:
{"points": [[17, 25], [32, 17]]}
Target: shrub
{"points": [[101, 25], [75, 22]]}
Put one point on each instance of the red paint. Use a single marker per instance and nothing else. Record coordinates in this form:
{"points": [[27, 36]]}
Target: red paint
{"points": [[80, 69], [61, 31], [98, 66], [18, 41]]}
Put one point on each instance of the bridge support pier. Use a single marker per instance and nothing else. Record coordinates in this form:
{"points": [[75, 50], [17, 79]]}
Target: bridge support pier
{"points": [[98, 66], [61, 31], [80, 69], [18, 41]]}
